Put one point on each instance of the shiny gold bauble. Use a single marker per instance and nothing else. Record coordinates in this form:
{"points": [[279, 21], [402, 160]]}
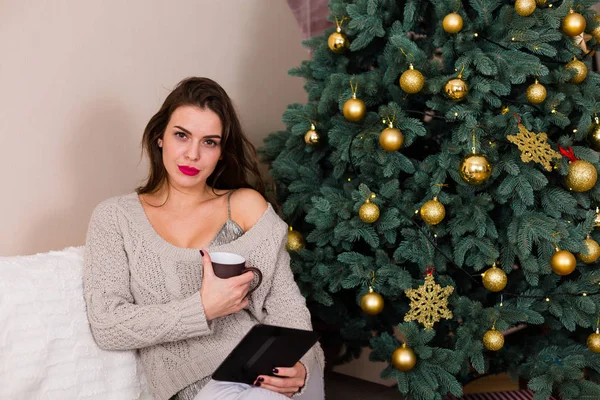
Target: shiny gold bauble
{"points": [[525, 7], [597, 218], [582, 176], [452, 23], [391, 139], [591, 252], [494, 279], [404, 358], [433, 212], [540, 2], [412, 80], [295, 240], [338, 42], [493, 340], [563, 262], [354, 109], [573, 24], [581, 71], [371, 303], [594, 136], [475, 169], [536, 93], [596, 30], [593, 341], [368, 212], [312, 137], [456, 89]]}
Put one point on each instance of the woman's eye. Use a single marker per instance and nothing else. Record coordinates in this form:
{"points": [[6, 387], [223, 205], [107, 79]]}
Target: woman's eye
{"points": [[211, 142], [180, 135]]}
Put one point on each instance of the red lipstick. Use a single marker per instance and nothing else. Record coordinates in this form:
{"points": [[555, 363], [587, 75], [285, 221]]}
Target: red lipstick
{"points": [[190, 171]]}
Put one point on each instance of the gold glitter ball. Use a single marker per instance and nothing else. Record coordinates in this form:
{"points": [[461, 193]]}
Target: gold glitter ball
{"points": [[412, 80], [582, 176], [493, 340]]}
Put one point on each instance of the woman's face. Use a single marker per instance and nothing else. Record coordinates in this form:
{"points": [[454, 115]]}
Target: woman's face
{"points": [[191, 145]]}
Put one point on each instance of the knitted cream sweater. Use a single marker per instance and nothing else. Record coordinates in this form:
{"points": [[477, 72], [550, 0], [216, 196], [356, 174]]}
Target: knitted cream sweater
{"points": [[143, 293]]}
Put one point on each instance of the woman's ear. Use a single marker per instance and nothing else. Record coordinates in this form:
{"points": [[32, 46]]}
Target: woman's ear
{"points": [[160, 142]]}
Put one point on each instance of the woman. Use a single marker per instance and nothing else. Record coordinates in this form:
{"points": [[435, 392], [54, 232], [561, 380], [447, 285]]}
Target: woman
{"points": [[148, 279]]}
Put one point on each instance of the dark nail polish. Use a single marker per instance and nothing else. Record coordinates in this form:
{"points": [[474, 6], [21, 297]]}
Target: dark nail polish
{"points": [[275, 371], [261, 379], [257, 384], [201, 253]]}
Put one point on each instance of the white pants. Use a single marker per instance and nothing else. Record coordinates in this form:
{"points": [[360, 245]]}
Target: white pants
{"points": [[221, 390]]}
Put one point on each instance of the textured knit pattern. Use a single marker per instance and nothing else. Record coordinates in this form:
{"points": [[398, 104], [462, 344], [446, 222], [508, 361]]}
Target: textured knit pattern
{"points": [[229, 232], [143, 293]]}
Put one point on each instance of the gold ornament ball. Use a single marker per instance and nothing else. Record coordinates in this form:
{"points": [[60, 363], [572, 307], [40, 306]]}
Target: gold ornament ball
{"points": [[295, 241], [596, 30], [354, 109], [312, 137], [493, 340], [594, 137], [536, 93], [452, 23], [433, 212], [540, 2], [391, 139], [404, 358], [573, 24], [338, 42], [412, 80], [582, 176], [368, 212], [597, 219], [494, 279], [593, 342], [592, 252], [475, 169], [371, 303], [525, 7], [456, 89], [581, 71], [563, 262]]}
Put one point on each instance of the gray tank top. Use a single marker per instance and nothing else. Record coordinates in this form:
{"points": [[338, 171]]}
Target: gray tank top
{"points": [[228, 233]]}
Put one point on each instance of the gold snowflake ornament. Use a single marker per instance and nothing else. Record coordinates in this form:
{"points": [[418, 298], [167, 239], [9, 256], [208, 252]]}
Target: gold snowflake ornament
{"points": [[428, 303], [534, 147]]}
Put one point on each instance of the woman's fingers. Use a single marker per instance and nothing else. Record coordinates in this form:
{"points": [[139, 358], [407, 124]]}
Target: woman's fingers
{"points": [[284, 384], [285, 391], [286, 372]]}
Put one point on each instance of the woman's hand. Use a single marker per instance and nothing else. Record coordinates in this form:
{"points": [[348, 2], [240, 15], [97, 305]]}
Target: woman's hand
{"points": [[287, 380], [222, 297]]}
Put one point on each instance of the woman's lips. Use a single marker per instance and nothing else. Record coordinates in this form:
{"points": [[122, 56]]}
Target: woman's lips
{"points": [[190, 171]]}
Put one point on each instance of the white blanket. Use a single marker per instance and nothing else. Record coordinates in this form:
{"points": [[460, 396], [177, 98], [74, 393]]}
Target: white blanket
{"points": [[46, 348]]}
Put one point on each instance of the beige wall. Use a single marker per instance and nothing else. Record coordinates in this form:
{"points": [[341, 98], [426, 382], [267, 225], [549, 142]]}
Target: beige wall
{"points": [[80, 79]]}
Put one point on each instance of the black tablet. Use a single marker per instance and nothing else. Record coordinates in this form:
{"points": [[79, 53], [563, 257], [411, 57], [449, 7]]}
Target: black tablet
{"points": [[263, 348]]}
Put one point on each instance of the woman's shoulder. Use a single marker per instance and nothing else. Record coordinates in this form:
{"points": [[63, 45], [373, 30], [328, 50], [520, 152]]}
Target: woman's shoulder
{"points": [[247, 207], [110, 206]]}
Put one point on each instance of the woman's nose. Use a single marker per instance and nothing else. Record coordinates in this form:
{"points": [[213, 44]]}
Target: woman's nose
{"points": [[193, 153]]}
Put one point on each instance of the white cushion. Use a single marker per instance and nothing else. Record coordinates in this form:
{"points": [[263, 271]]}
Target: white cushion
{"points": [[46, 347]]}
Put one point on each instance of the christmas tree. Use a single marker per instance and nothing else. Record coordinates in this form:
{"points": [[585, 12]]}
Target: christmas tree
{"points": [[441, 181]]}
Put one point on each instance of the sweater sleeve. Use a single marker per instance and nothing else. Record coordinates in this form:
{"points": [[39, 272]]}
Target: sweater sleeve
{"points": [[285, 305], [117, 323]]}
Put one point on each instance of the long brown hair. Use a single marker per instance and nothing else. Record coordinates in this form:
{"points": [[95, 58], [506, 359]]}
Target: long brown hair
{"points": [[238, 167]]}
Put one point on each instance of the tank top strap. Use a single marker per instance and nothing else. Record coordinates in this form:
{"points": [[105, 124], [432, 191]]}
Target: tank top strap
{"points": [[229, 204]]}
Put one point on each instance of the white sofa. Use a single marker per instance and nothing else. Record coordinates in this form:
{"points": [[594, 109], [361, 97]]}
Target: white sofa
{"points": [[46, 346]]}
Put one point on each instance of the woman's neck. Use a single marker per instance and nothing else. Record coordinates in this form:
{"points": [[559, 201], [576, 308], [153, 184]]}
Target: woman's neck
{"points": [[175, 198]]}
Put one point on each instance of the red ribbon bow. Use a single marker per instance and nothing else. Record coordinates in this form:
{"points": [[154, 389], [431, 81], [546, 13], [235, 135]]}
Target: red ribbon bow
{"points": [[570, 154]]}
